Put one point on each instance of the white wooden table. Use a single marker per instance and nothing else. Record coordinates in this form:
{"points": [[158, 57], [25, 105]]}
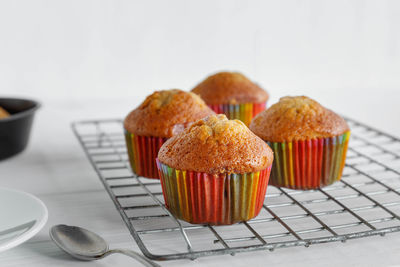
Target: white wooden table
{"points": [[55, 169]]}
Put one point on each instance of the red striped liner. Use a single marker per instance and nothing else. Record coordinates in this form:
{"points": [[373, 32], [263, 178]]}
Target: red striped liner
{"points": [[223, 199], [309, 164], [244, 112], [142, 152]]}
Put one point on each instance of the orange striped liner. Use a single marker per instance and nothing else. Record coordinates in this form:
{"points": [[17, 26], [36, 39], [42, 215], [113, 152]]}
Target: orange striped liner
{"points": [[309, 164], [223, 199], [244, 112], [142, 152]]}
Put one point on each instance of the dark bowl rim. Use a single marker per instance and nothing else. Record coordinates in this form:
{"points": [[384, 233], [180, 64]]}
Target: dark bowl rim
{"points": [[16, 116]]}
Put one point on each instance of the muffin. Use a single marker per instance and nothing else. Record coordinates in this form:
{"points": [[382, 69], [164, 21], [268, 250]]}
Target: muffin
{"points": [[3, 113], [232, 94], [215, 172], [308, 140], [160, 116]]}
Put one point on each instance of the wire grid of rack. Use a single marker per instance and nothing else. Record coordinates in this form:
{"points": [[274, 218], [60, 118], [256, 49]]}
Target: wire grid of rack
{"points": [[364, 203]]}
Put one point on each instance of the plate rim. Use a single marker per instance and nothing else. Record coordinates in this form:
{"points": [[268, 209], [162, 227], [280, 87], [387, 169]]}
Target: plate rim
{"points": [[34, 229]]}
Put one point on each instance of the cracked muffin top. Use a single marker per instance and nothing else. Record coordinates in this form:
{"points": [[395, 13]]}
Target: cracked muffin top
{"points": [[166, 113], [230, 88], [216, 145], [297, 118]]}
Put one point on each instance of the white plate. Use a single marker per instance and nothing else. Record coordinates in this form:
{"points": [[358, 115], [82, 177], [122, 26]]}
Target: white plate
{"points": [[21, 217]]}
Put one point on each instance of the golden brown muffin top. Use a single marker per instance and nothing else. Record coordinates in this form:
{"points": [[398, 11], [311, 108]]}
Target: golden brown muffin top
{"points": [[165, 113], [297, 118], [230, 88], [216, 145], [3, 113]]}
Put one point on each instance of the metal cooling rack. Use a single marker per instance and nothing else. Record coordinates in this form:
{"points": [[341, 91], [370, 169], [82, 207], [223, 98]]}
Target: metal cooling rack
{"points": [[365, 202]]}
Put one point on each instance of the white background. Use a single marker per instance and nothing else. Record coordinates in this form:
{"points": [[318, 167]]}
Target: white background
{"points": [[99, 59], [345, 54]]}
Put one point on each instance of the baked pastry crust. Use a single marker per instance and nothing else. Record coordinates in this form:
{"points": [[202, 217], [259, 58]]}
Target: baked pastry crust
{"points": [[230, 88], [3, 113], [216, 145], [165, 113], [297, 118]]}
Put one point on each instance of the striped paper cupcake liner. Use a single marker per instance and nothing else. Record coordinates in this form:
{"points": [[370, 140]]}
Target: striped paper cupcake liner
{"points": [[244, 112], [309, 164], [142, 152], [223, 199]]}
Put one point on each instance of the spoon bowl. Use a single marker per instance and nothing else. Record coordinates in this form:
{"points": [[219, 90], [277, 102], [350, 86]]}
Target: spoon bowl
{"points": [[78, 242], [85, 245]]}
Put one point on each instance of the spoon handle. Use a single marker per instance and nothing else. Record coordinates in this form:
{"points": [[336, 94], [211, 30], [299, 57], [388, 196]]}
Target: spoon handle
{"points": [[146, 262]]}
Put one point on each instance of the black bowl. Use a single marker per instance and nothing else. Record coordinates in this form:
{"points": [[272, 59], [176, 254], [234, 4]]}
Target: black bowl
{"points": [[15, 130]]}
